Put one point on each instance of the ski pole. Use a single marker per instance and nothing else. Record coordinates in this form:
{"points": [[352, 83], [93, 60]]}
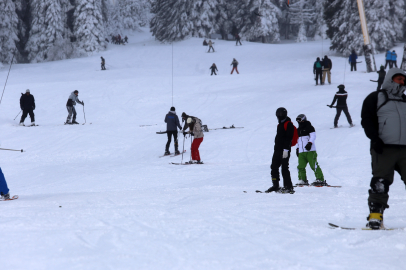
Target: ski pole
{"points": [[11, 63], [183, 151], [84, 115], [18, 114], [12, 150], [190, 148]]}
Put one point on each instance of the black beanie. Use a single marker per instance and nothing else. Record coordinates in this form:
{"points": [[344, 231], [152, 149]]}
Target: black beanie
{"points": [[173, 109]]}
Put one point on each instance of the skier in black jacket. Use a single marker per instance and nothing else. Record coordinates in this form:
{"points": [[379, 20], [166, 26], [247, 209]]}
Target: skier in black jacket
{"points": [[172, 122], [281, 155], [27, 105], [317, 69], [341, 98], [381, 78], [213, 69], [327, 66]]}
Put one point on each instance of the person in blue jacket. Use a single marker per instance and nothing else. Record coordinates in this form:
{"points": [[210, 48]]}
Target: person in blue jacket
{"points": [[388, 59], [353, 60], [4, 191], [394, 56]]}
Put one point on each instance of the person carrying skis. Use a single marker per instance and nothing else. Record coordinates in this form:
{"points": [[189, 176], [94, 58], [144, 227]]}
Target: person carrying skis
{"points": [[353, 60], [103, 62], [195, 129], [327, 66], [394, 57], [317, 70], [382, 74], [210, 45], [235, 65], [306, 152], [213, 69], [383, 117], [27, 105], [4, 191], [341, 98], [238, 39], [388, 56], [283, 142], [172, 122], [70, 106]]}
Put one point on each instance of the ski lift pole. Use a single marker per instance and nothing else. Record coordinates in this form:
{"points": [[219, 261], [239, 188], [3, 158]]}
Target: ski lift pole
{"points": [[11, 63], [369, 57]]}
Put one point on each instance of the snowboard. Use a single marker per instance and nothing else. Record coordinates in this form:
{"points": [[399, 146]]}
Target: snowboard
{"points": [[15, 197], [333, 226]]}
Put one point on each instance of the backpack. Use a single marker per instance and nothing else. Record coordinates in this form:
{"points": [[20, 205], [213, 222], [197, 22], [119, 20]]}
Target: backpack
{"points": [[295, 135], [318, 65]]}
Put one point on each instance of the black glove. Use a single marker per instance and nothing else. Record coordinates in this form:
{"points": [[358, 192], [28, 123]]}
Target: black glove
{"points": [[377, 145], [184, 133], [297, 152], [331, 106], [308, 146], [192, 134], [83, 103]]}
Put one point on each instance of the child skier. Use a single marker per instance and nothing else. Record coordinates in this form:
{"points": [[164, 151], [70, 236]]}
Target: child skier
{"points": [[195, 129], [70, 106], [213, 69], [172, 122], [341, 97], [4, 191], [210, 45], [235, 65], [306, 152]]}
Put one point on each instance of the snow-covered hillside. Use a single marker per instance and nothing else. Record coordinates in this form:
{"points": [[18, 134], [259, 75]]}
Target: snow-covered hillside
{"points": [[98, 197]]}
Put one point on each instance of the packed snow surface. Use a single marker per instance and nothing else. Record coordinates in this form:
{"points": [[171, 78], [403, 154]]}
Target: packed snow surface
{"points": [[97, 196]]}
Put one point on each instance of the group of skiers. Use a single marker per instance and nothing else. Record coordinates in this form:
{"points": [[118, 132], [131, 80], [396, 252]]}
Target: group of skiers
{"points": [[322, 69], [118, 40], [391, 58]]}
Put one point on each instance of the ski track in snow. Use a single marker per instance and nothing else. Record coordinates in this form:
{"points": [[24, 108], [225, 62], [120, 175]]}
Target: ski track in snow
{"points": [[122, 207]]}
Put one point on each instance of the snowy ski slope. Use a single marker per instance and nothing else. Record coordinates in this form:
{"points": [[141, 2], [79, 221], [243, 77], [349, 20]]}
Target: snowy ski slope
{"points": [[98, 197]]}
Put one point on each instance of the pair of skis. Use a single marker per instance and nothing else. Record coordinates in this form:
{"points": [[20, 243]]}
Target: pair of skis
{"points": [[173, 155], [383, 228]]}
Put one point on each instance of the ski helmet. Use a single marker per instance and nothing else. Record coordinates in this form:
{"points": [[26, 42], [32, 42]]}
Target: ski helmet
{"points": [[341, 86], [301, 118], [281, 113]]}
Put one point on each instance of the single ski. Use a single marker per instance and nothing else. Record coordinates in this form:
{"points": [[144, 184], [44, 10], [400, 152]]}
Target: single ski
{"points": [[187, 163], [333, 226], [15, 197], [232, 126], [317, 186]]}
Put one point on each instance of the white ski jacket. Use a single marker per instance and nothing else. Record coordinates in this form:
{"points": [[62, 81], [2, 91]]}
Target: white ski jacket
{"points": [[303, 140]]}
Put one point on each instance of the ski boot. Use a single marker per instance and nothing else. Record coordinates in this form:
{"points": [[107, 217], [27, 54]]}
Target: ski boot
{"points": [[351, 125], [167, 153], [5, 197], [32, 124], [199, 162], [286, 190], [74, 122], [68, 123], [177, 152], [319, 183], [302, 183], [22, 124], [275, 186], [375, 218]]}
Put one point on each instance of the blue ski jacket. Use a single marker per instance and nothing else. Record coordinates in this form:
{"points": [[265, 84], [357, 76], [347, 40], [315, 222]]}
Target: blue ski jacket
{"points": [[172, 121], [388, 55], [353, 58], [394, 56]]}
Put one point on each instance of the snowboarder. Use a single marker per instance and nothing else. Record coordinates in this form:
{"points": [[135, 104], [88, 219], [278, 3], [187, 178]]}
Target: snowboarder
{"points": [[382, 74], [213, 69], [317, 70], [172, 122], [306, 152], [235, 65], [341, 98], [388, 56], [103, 62], [70, 106], [394, 57], [327, 66], [210, 45], [283, 142], [205, 43], [238, 39], [195, 129], [384, 121], [353, 60], [4, 191], [27, 105]]}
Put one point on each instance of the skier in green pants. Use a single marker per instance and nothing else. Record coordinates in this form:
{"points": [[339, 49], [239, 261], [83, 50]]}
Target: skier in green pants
{"points": [[306, 152]]}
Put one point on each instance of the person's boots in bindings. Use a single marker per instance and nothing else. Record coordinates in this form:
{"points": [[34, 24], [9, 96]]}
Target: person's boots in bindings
{"points": [[177, 152], [21, 123], [32, 123], [74, 122], [167, 153], [275, 186], [375, 218], [5, 196], [302, 183]]}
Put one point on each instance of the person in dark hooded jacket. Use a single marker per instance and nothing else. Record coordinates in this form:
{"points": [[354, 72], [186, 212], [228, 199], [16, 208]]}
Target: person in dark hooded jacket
{"points": [[353, 60], [382, 74], [213, 69], [317, 70], [327, 66], [172, 123], [341, 98], [27, 105], [384, 121]]}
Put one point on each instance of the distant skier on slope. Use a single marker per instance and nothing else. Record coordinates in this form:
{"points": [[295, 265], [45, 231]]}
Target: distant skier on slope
{"points": [[317, 70], [382, 74], [341, 98], [103, 63], [394, 58], [195, 129], [238, 39], [306, 152], [384, 121], [213, 69], [235, 66], [327, 66], [70, 106], [205, 43], [210, 45], [27, 105], [388, 57], [353, 60], [4, 191], [283, 142], [172, 122]]}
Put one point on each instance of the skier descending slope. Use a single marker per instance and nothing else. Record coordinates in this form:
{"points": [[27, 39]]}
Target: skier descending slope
{"points": [[283, 142], [172, 122], [384, 121], [235, 66], [4, 191], [70, 106], [195, 129], [341, 98], [306, 152], [27, 105]]}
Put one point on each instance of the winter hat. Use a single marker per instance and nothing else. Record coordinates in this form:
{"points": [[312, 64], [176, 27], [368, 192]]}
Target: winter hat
{"points": [[301, 118], [318, 59], [341, 86], [184, 115], [172, 109], [382, 67], [27, 91], [393, 50], [76, 91]]}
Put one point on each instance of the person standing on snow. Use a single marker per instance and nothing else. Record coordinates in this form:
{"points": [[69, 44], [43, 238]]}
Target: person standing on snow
{"points": [[341, 98], [306, 152], [213, 69], [382, 74], [353, 60], [205, 43], [327, 66], [388, 56], [172, 122], [27, 105], [384, 121], [103, 62], [238, 39], [394, 57], [283, 142], [317, 70], [235, 65], [210, 45], [70, 106], [195, 129]]}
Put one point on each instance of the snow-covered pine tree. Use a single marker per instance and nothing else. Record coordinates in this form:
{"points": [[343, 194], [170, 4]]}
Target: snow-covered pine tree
{"points": [[301, 14], [397, 17], [89, 26], [115, 21], [134, 13], [207, 17], [8, 30], [319, 22], [246, 17]]}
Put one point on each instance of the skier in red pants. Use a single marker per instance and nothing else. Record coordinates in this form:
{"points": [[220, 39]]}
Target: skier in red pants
{"points": [[235, 65], [195, 129]]}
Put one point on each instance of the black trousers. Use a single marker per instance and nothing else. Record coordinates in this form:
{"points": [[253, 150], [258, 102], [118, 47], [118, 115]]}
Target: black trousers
{"points": [[379, 86], [213, 71], [175, 138], [103, 67], [339, 110], [25, 113], [277, 162], [318, 76], [238, 41], [354, 66], [390, 64]]}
